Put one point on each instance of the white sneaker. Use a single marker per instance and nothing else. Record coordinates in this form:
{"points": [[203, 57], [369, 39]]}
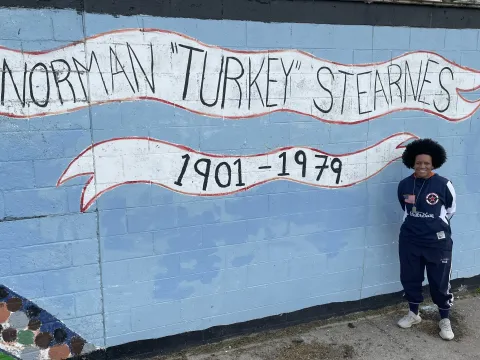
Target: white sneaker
{"points": [[408, 320], [446, 332]]}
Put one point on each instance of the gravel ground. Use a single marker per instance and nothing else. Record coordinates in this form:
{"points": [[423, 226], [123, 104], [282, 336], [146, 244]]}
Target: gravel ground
{"points": [[371, 335]]}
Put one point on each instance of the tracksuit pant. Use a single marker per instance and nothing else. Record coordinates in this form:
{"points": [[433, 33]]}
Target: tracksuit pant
{"points": [[414, 259]]}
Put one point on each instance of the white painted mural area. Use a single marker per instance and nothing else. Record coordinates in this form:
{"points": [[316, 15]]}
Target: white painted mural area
{"points": [[123, 161], [173, 68]]}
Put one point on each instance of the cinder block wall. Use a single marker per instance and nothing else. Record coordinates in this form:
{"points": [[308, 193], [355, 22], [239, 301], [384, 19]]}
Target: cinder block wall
{"points": [[146, 262]]}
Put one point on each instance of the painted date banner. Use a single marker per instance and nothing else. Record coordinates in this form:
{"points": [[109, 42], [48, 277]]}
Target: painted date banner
{"points": [[121, 161], [158, 65]]}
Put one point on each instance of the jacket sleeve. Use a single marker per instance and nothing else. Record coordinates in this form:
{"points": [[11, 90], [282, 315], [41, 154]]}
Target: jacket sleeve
{"points": [[400, 196], [450, 200]]}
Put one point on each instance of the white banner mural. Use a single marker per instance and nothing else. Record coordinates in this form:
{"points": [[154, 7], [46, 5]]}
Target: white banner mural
{"points": [[121, 161], [151, 64]]}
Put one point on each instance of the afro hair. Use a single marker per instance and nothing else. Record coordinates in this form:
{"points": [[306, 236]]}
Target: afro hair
{"points": [[424, 147]]}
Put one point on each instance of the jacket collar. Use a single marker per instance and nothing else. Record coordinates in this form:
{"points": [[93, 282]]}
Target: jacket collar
{"points": [[431, 174]]}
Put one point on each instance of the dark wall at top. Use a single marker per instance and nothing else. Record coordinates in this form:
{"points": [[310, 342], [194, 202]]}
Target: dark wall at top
{"points": [[301, 11]]}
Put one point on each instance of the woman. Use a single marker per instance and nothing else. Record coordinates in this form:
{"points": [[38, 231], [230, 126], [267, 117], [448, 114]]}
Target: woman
{"points": [[428, 200]]}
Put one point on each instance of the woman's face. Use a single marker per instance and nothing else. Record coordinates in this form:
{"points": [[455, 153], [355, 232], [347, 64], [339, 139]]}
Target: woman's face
{"points": [[423, 166]]}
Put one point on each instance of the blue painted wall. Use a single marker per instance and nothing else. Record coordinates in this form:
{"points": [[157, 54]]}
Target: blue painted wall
{"points": [[145, 262]]}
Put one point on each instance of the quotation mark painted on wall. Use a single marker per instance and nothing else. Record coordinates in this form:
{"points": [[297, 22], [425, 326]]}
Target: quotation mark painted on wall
{"points": [[174, 48]]}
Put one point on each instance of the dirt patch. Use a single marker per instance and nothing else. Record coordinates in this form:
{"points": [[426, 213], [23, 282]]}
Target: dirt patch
{"points": [[281, 349], [312, 351], [294, 350], [167, 357], [431, 317]]}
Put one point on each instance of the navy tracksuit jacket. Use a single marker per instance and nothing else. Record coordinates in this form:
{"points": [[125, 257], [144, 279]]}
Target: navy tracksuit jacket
{"points": [[425, 237]]}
